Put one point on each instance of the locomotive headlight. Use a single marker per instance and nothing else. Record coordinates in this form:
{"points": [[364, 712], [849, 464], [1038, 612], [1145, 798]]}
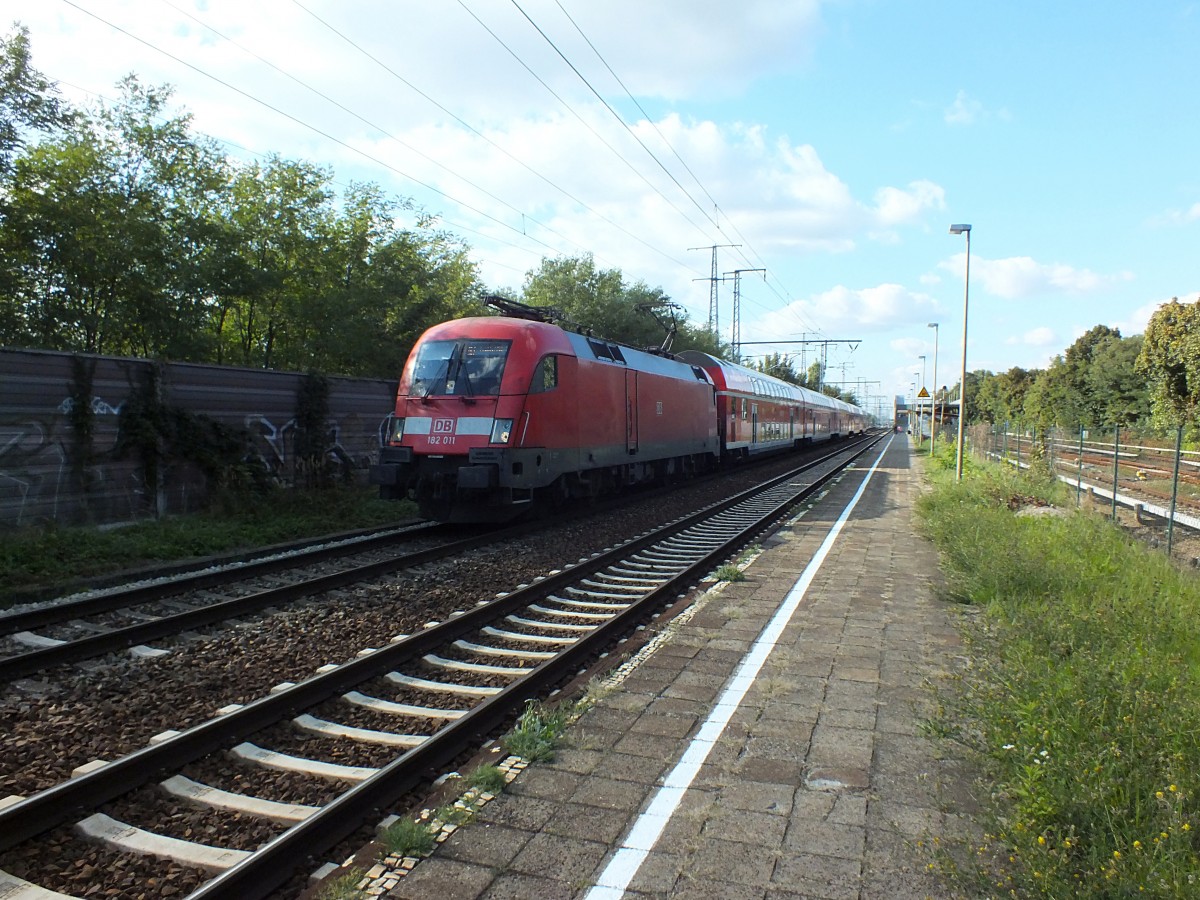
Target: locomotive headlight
{"points": [[501, 430], [397, 431]]}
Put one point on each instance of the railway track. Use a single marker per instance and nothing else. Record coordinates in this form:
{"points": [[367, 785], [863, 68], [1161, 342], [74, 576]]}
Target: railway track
{"points": [[123, 618], [413, 704]]}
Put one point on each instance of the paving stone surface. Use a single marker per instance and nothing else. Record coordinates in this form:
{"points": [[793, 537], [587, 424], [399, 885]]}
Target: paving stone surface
{"points": [[821, 786]]}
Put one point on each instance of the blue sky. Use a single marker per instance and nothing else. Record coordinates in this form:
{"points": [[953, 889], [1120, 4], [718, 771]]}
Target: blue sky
{"points": [[835, 141]]}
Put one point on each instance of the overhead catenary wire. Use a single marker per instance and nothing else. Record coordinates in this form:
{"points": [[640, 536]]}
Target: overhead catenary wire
{"points": [[383, 164], [583, 121], [615, 114]]}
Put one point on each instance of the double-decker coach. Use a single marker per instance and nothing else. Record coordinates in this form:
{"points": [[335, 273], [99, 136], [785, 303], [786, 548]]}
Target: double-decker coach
{"points": [[757, 413]]}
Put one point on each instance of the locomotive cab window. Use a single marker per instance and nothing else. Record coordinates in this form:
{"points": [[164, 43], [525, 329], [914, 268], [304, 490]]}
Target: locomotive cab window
{"points": [[464, 368], [545, 376]]}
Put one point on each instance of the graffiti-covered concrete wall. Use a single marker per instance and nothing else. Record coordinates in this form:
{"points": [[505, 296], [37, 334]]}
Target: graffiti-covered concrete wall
{"points": [[60, 464]]}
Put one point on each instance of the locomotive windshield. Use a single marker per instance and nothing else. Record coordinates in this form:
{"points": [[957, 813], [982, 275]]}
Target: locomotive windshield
{"points": [[464, 368]]}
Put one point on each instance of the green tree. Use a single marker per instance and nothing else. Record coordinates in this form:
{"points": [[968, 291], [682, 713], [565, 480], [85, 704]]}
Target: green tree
{"points": [[1078, 402], [988, 401], [1170, 359], [1001, 397], [392, 283], [282, 215], [815, 375], [28, 101], [1114, 382], [100, 229], [1048, 399], [781, 366]]}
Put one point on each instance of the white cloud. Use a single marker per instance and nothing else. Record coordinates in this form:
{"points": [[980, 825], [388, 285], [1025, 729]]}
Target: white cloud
{"points": [[913, 347], [966, 110], [1022, 276], [847, 313], [1177, 217], [894, 206], [1040, 337]]}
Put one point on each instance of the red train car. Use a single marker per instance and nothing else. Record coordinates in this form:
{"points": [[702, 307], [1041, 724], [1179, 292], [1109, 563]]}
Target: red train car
{"points": [[494, 412], [757, 413]]}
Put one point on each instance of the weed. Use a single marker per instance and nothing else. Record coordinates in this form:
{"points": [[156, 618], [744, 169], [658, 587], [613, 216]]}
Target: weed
{"points": [[408, 838], [729, 572], [31, 557], [450, 814], [488, 779], [596, 691], [344, 887], [537, 732]]}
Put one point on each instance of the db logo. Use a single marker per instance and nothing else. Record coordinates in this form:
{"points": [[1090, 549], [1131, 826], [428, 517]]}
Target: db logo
{"points": [[443, 426]]}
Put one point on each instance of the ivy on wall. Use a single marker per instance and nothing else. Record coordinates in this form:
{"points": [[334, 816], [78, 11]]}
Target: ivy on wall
{"points": [[158, 435]]}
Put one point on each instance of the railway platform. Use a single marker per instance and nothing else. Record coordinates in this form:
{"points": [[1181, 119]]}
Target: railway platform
{"points": [[770, 745]]}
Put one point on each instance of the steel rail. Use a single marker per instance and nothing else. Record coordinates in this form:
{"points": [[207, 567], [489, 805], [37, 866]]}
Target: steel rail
{"points": [[22, 664], [54, 613]]}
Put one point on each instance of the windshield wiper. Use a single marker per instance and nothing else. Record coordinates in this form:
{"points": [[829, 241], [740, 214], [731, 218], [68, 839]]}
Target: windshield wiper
{"points": [[443, 374]]}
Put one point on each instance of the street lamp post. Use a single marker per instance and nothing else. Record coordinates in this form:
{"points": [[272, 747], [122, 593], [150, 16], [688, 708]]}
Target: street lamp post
{"points": [[962, 384], [933, 418]]}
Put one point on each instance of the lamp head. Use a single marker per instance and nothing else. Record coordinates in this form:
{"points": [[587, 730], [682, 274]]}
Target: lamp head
{"points": [[932, 325], [960, 229]]}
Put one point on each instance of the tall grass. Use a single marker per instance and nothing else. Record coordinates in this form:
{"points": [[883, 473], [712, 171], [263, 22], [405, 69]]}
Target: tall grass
{"points": [[1083, 698]]}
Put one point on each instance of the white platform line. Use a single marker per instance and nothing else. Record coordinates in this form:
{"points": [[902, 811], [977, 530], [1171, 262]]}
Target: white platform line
{"points": [[648, 827]]}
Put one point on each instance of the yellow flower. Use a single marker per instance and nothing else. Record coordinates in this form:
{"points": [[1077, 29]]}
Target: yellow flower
{"points": [[1172, 788], [1041, 839], [1116, 854], [1187, 827], [1137, 845], [1158, 794]]}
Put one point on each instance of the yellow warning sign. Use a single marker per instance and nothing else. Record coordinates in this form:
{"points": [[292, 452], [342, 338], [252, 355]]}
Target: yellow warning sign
{"points": [[924, 394]]}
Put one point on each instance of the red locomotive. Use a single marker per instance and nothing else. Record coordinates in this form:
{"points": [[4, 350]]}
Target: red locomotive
{"points": [[494, 414]]}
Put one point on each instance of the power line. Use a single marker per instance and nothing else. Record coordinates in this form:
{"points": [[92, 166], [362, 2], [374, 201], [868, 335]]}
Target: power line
{"points": [[581, 119], [258, 154], [615, 114], [629, 94]]}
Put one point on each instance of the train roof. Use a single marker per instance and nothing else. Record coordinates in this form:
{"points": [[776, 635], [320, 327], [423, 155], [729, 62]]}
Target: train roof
{"points": [[734, 377], [543, 337]]}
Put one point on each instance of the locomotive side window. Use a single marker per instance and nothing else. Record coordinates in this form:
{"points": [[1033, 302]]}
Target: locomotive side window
{"points": [[466, 368], [545, 376]]}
